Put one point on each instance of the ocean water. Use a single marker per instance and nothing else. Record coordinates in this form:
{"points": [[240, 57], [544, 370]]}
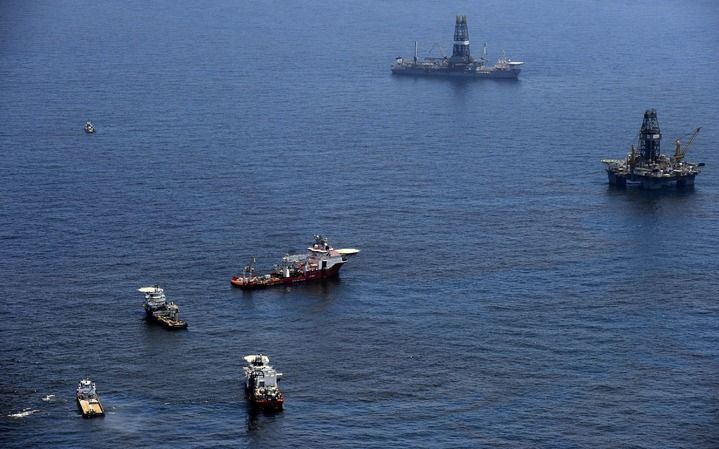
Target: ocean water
{"points": [[505, 295]]}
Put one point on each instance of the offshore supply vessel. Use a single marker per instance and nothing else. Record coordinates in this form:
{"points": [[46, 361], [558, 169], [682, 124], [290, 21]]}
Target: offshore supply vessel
{"points": [[158, 309], [262, 383], [647, 168], [321, 261], [88, 400], [460, 64]]}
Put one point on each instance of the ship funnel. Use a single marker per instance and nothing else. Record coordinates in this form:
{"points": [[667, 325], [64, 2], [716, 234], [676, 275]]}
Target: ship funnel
{"points": [[649, 137], [460, 49]]}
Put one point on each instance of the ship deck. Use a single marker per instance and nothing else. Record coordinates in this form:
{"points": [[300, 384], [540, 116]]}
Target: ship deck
{"points": [[90, 407]]}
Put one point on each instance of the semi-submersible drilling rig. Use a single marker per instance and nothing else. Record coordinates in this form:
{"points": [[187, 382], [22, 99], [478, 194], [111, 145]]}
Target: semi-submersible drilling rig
{"points": [[648, 168]]}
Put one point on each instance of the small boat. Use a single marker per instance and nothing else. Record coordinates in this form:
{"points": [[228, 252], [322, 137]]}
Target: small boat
{"points": [[88, 400], [89, 127], [321, 261], [262, 383], [158, 309]]}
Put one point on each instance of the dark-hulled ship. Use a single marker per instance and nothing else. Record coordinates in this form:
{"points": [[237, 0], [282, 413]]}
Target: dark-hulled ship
{"points": [[647, 168], [321, 261], [158, 309], [262, 383], [460, 64]]}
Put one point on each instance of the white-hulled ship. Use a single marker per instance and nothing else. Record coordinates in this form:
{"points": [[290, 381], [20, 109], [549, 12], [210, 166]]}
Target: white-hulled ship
{"points": [[262, 383], [158, 309], [88, 400], [321, 261], [647, 168], [460, 64]]}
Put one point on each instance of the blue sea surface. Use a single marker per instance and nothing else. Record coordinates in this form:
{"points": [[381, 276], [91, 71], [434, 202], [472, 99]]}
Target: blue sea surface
{"points": [[505, 296]]}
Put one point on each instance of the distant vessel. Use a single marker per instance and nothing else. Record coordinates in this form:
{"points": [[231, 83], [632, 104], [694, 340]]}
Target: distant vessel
{"points": [[89, 127], [321, 262], [647, 168], [158, 309], [88, 400], [262, 383], [461, 64]]}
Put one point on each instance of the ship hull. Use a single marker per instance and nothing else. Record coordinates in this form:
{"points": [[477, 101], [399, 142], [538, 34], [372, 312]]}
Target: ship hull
{"points": [[650, 182], [267, 404], [164, 321], [168, 323], [493, 74], [310, 276]]}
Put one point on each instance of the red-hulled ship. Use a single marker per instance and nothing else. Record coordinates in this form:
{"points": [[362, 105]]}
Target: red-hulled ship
{"points": [[321, 262], [262, 383]]}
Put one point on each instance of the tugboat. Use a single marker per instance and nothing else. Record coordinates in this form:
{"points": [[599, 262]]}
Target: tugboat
{"points": [[89, 127], [321, 262], [88, 400], [261, 383], [158, 309], [647, 168]]}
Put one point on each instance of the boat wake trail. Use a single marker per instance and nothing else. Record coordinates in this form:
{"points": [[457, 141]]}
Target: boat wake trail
{"points": [[23, 414]]}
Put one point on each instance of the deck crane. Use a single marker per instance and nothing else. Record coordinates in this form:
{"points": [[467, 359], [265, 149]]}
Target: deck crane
{"points": [[680, 151]]}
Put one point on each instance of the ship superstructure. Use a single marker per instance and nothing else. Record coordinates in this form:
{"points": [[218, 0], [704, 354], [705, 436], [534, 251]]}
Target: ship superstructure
{"points": [[262, 383], [158, 309], [320, 262], [461, 63], [647, 168]]}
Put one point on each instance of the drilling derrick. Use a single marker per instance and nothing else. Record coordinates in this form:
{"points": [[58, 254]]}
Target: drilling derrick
{"points": [[460, 49], [649, 137]]}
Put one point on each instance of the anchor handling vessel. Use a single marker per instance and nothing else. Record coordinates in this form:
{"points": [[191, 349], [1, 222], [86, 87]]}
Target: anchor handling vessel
{"points": [[158, 309], [322, 261], [87, 399], [647, 168], [262, 383], [461, 63]]}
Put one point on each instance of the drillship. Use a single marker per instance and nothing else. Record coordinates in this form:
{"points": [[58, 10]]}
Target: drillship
{"points": [[461, 64], [321, 262], [647, 168]]}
